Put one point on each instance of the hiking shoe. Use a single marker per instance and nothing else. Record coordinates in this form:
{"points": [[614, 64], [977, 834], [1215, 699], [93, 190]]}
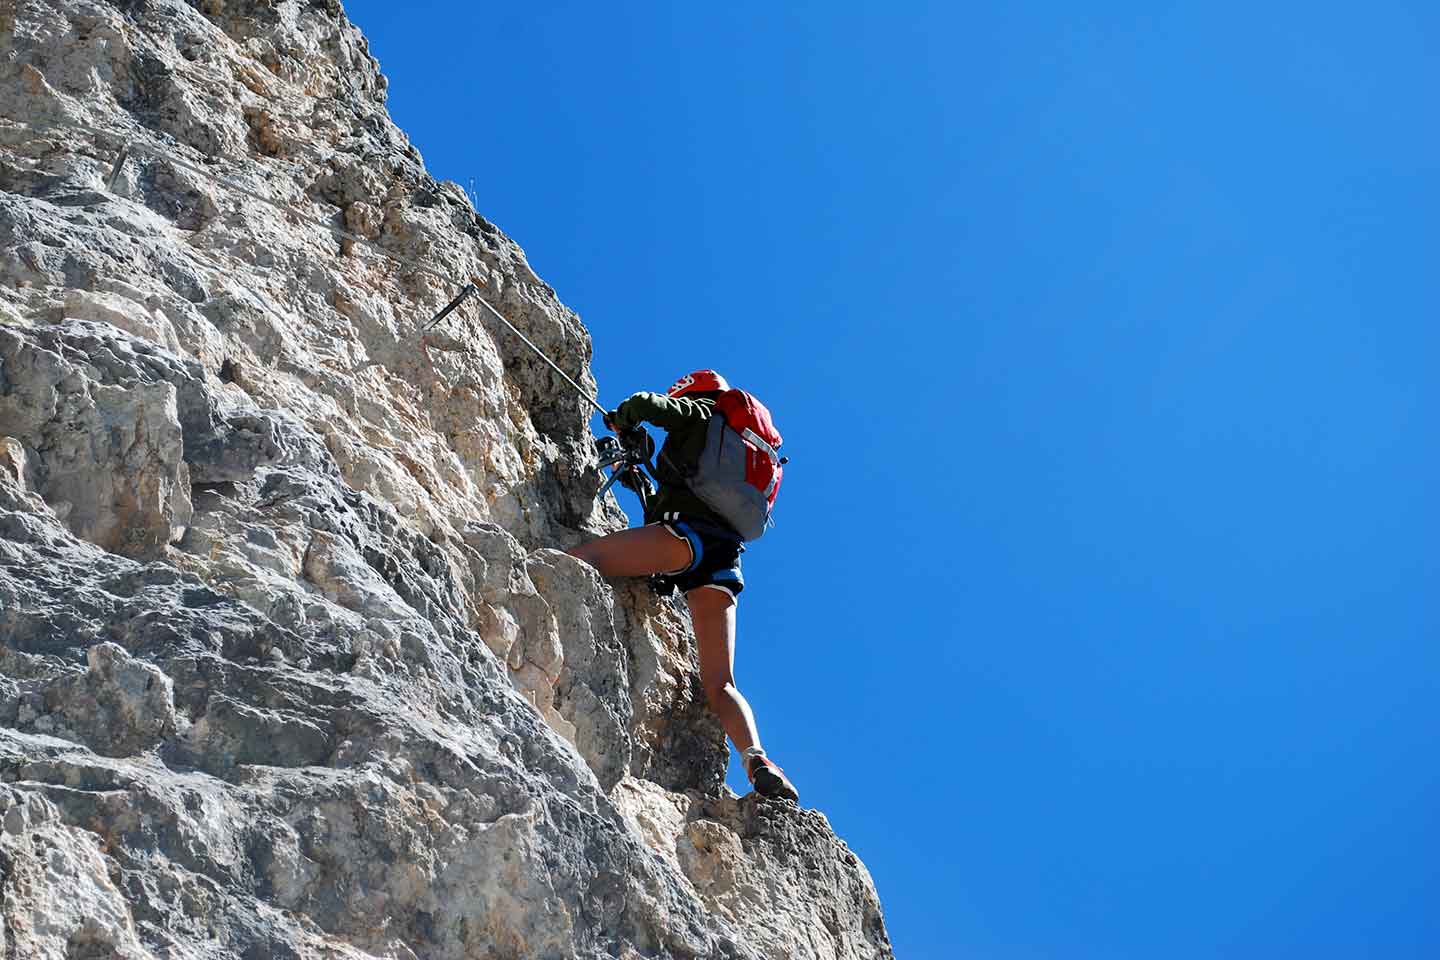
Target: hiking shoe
{"points": [[770, 781]]}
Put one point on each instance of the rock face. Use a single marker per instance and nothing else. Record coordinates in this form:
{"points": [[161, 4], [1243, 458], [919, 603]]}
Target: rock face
{"points": [[290, 663]]}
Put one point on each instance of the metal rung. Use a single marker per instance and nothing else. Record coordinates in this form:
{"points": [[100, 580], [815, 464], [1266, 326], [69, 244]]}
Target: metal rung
{"points": [[118, 166], [469, 289]]}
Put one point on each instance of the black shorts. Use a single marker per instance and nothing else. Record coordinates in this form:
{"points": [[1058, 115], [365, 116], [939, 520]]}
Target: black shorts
{"points": [[714, 558]]}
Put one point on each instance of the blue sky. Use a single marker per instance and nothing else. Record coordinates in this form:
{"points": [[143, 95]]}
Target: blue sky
{"points": [[1101, 614]]}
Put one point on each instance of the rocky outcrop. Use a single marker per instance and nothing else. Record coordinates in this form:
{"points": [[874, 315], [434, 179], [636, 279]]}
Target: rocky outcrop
{"points": [[290, 663]]}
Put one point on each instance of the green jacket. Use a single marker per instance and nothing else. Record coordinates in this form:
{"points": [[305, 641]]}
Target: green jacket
{"points": [[684, 420]]}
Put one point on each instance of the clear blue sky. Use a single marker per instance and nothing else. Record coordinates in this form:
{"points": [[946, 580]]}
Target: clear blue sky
{"points": [[1101, 618]]}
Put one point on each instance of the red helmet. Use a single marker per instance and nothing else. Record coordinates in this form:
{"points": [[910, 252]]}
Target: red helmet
{"points": [[701, 381]]}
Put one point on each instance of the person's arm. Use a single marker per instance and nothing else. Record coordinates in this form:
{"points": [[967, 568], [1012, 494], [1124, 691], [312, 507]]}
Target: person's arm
{"points": [[665, 412]]}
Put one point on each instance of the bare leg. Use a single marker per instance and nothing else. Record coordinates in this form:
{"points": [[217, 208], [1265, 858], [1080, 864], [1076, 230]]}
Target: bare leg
{"points": [[637, 552], [712, 612]]}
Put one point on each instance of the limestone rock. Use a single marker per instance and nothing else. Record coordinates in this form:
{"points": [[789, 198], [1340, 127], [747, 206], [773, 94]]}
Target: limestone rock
{"points": [[291, 663], [749, 861], [57, 899], [119, 706]]}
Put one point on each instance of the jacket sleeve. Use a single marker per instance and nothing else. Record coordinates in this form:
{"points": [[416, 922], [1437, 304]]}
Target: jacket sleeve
{"points": [[668, 413]]}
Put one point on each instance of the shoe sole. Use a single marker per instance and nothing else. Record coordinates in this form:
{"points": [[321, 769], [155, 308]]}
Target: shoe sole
{"points": [[772, 787]]}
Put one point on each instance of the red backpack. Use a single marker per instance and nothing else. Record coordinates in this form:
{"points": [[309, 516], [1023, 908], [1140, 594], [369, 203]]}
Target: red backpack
{"points": [[739, 471]]}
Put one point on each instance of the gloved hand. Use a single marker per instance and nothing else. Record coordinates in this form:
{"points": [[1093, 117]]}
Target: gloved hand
{"points": [[617, 420], [636, 481], [623, 418], [638, 443]]}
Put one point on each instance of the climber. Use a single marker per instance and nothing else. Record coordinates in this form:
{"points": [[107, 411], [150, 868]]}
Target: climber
{"points": [[692, 547]]}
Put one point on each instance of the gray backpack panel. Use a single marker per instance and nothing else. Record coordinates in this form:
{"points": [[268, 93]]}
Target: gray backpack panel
{"points": [[719, 480]]}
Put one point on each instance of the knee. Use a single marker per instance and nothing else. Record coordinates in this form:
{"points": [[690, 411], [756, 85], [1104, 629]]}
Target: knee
{"points": [[719, 690], [705, 602]]}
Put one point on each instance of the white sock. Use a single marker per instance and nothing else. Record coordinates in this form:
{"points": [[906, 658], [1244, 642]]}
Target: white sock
{"points": [[750, 754]]}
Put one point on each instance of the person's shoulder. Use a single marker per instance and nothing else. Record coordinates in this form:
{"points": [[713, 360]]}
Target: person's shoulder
{"points": [[696, 408]]}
